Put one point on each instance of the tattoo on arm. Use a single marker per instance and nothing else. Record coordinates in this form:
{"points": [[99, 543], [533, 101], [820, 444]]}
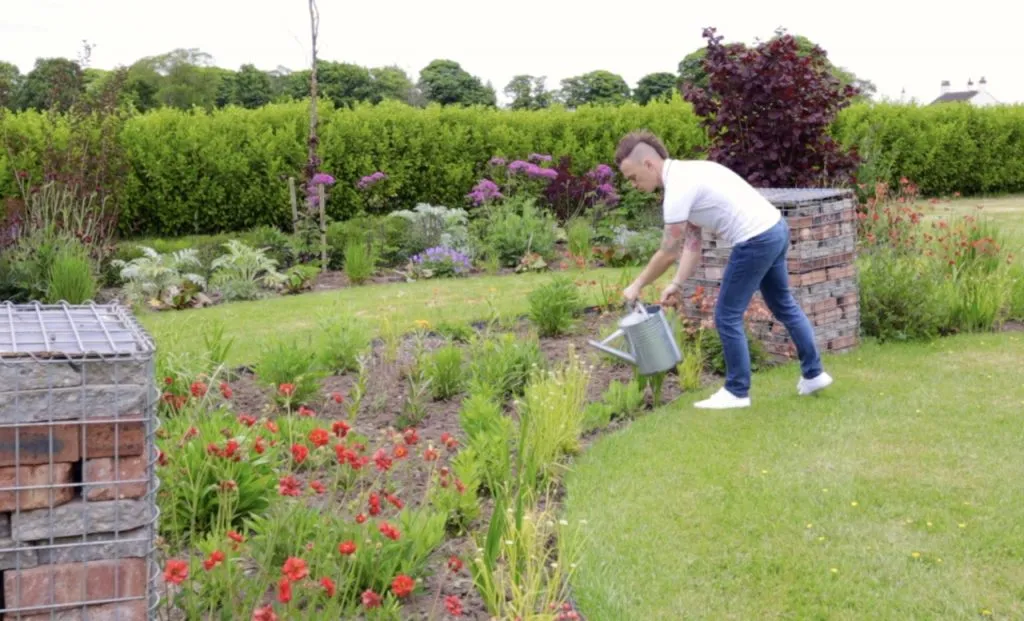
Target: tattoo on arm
{"points": [[672, 239], [692, 238]]}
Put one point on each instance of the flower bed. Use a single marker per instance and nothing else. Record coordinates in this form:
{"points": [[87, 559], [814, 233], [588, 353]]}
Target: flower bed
{"points": [[376, 489]]}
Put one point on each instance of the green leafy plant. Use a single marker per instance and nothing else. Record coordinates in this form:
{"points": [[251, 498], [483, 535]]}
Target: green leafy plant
{"points": [[501, 365], [360, 260], [490, 435], [244, 272], [72, 277], [444, 370], [290, 370], [553, 306], [343, 339], [160, 277], [300, 278], [580, 234]]}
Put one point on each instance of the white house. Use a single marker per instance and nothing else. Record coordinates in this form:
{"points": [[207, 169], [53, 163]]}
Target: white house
{"points": [[974, 95]]}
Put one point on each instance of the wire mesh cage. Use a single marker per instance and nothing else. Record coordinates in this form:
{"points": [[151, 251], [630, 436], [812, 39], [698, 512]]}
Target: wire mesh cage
{"points": [[77, 464]]}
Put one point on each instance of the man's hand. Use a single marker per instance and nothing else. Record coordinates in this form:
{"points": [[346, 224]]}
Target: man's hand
{"points": [[632, 293], [672, 295]]}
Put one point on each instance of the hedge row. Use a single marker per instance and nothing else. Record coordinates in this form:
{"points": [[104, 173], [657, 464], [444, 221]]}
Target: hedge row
{"points": [[192, 172]]}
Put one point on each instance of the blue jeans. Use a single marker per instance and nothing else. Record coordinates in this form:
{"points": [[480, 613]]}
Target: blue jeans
{"points": [[760, 263]]}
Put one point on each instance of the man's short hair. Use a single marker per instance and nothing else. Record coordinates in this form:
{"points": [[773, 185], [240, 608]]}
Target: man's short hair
{"points": [[632, 139]]}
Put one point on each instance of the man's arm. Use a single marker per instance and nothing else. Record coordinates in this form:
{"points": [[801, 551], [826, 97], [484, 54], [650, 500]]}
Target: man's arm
{"points": [[679, 241]]}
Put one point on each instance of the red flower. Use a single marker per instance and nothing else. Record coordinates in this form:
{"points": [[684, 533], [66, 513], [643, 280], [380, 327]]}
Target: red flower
{"points": [[236, 536], [337, 397], [454, 564], [212, 449], [318, 487], [304, 411], [402, 585], [396, 501], [176, 571], [371, 599], [295, 569], [374, 503], [340, 428], [168, 380], [453, 605], [258, 446], [360, 518], [216, 558], [264, 614], [247, 419], [382, 460], [319, 437], [449, 441], [289, 486], [328, 586], [230, 448], [226, 391], [228, 485], [284, 590], [198, 389], [389, 531], [347, 548], [410, 436], [271, 426], [299, 453], [400, 451], [191, 433], [286, 390], [430, 454], [161, 458]]}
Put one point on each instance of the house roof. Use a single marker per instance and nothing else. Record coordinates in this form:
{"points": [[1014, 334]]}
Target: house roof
{"points": [[955, 96]]}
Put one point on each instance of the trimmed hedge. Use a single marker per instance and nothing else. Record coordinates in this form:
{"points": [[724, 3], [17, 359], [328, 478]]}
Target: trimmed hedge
{"points": [[193, 172]]}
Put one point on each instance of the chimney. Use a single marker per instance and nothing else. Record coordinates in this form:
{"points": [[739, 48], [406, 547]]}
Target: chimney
{"points": [[945, 87], [970, 84], [983, 84]]}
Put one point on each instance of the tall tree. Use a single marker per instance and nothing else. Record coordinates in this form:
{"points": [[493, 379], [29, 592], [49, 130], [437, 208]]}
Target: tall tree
{"points": [[10, 80], [655, 86], [53, 82], [528, 92], [596, 87], [447, 83]]}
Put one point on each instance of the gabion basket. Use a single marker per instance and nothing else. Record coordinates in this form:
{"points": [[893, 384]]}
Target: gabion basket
{"points": [[78, 511]]}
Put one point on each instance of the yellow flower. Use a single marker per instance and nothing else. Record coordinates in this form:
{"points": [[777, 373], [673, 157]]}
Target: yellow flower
{"points": [[962, 525], [853, 504], [915, 554], [835, 570], [809, 525], [422, 324]]}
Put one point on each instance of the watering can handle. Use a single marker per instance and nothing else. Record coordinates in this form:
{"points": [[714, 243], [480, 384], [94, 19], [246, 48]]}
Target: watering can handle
{"points": [[603, 346]]}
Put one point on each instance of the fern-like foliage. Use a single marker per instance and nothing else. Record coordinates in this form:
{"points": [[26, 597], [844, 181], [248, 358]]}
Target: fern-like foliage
{"points": [[244, 271], [155, 276]]}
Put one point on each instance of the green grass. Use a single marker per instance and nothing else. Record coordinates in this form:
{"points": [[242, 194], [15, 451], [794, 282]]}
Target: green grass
{"points": [[253, 323], [814, 508]]}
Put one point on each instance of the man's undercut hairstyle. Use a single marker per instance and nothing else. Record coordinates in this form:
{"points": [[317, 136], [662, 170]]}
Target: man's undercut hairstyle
{"points": [[632, 140]]}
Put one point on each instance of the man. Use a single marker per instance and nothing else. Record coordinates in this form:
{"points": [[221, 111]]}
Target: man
{"points": [[705, 195]]}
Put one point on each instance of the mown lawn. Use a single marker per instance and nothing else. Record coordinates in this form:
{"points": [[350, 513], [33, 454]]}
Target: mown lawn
{"points": [[895, 495], [253, 324]]}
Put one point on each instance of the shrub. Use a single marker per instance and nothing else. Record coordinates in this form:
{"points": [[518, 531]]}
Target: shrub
{"points": [[514, 228], [360, 260], [554, 305], [161, 277], [901, 296], [440, 262], [71, 277], [275, 243], [436, 226], [500, 365], [343, 339], [290, 370], [768, 110]]}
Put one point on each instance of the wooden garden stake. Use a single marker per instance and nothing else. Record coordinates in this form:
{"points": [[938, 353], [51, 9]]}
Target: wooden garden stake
{"points": [[323, 228]]}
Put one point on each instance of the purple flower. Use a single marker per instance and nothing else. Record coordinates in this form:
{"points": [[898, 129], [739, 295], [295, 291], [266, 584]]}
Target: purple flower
{"points": [[519, 166], [371, 180], [497, 161], [538, 157], [484, 191], [543, 173], [602, 173], [608, 194], [440, 257], [323, 178]]}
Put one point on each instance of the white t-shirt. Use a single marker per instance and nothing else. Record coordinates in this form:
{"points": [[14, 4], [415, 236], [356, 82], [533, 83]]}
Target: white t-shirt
{"points": [[714, 197]]}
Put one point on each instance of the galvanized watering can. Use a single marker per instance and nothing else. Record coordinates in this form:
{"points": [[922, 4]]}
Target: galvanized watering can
{"points": [[652, 346]]}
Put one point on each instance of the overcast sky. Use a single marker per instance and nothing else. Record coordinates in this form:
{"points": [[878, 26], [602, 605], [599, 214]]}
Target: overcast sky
{"points": [[889, 42]]}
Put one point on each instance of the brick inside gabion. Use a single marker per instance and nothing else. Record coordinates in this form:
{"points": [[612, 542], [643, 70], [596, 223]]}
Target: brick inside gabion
{"points": [[77, 485], [822, 271]]}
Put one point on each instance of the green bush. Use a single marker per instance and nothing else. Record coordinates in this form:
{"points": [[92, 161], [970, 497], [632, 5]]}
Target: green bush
{"points": [[553, 306], [71, 276], [902, 296], [511, 229]]}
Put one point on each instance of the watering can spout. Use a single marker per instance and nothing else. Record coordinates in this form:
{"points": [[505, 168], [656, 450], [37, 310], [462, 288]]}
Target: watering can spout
{"points": [[603, 346]]}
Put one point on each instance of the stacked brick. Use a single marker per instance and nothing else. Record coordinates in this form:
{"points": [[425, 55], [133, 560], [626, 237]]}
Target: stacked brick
{"points": [[822, 271], [76, 495]]}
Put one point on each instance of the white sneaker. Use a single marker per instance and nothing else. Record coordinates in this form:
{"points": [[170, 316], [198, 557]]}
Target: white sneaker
{"points": [[810, 386], [723, 400]]}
